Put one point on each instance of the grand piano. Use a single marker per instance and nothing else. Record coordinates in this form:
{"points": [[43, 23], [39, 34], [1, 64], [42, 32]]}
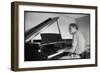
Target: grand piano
{"points": [[47, 47]]}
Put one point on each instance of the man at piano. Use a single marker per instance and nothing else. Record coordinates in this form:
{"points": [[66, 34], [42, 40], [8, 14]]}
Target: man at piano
{"points": [[78, 44]]}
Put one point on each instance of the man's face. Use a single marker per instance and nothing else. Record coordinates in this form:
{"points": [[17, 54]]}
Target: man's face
{"points": [[72, 30]]}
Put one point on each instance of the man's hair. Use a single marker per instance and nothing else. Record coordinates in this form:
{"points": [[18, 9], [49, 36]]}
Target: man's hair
{"points": [[73, 25]]}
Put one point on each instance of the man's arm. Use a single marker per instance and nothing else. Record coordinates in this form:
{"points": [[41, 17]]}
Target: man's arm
{"points": [[74, 44], [73, 48]]}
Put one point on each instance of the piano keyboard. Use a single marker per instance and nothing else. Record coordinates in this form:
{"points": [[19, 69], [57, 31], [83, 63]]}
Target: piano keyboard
{"points": [[56, 54]]}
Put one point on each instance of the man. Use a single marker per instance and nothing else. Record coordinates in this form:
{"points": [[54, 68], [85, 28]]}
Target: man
{"points": [[78, 43]]}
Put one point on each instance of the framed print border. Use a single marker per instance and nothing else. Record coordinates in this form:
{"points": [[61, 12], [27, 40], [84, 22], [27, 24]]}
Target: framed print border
{"points": [[15, 35]]}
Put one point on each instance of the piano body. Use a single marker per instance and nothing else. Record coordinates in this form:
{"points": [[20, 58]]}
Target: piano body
{"points": [[46, 48]]}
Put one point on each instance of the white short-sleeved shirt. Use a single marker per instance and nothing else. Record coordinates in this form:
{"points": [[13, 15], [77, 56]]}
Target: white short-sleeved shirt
{"points": [[79, 40]]}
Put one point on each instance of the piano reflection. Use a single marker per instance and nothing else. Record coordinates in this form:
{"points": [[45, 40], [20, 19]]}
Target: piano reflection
{"points": [[47, 47]]}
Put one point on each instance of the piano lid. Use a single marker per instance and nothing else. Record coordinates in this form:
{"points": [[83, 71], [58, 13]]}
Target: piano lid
{"points": [[39, 28]]}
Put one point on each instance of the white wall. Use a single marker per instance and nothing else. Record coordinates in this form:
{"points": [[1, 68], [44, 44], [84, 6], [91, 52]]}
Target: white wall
{"points": [[5, 48]]}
